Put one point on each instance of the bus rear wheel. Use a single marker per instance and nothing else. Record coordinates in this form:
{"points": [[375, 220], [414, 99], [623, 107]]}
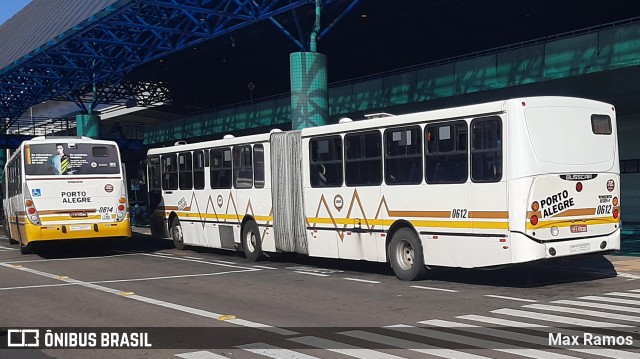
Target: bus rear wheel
{"points": [[405, 255], [251, 243], [176, 234], [24, 249]]}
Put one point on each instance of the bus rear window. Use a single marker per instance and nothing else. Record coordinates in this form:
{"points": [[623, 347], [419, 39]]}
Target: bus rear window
{"points": [[601, 124], [100, 151], [64, 159]]}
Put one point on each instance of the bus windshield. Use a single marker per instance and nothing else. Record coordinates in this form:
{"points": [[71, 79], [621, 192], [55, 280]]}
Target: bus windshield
{"points": [[71, 159]]}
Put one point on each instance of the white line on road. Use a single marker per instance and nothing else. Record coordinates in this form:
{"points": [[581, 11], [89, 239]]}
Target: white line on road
{"points": [[558, 319], [178, 307], [311, 273], [216, 263], [343, 348], [592, 313], [431, 288], [273, 351], [264, 267], [71, 259], [510, 298], [132, 279], [411, 345], [363, 280], [203, 354], [610, 300]]}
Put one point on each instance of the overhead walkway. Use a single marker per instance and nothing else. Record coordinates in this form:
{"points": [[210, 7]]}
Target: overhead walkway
{"points": [[569, 56]]}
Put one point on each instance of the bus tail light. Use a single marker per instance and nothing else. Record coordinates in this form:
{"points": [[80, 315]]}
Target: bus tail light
{"points": [[535, 206], [615, 201], [534, 220], [32, 213], [579, 186], [122, 206], [616, 213]]}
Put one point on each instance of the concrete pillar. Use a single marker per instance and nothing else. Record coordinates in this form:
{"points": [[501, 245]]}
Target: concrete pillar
{"points": [[88, 125], [309, 96]]}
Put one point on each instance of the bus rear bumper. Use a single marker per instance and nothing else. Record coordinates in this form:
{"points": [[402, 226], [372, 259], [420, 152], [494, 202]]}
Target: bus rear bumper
{"points": [[59, 232], [531, 250]]}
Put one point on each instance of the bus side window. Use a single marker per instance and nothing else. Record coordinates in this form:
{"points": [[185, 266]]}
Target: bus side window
{"points": [[185, 168], [154, 173], [258, 165], [486, 150], [363, 159], [325, 162], [220, 168], [242, 167], [169, 172], [446, 155], [198, 169], [403, 156]]}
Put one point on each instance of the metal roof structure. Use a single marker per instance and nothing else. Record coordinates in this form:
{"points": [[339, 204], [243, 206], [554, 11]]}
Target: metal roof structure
{"points": [[81, 51]]}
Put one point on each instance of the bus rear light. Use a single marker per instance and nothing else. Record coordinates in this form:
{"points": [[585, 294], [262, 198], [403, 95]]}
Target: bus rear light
{"points": [[579, 186], [28, 203], [534, 220], [615, 201], [535, 206], [121, 207], [122, 200], [31, 210], [616, 213]]}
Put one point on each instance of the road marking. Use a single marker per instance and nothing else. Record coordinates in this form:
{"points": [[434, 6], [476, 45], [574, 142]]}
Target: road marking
{"points": [[343, 348], [311, 273], [411, 345], [611, 300], [196, 258], [510, 298], [216, 263], [363, 280], [530, 326], [592, 313], [621, 294], [203, 354], [133, 279], [225, 262], [531, 339], [481, 343], [71, 259], [598, 305], [264, 267], [431, 288], [178, 307], [9, 248], [558, 319], [629, 275], [274, 352]]}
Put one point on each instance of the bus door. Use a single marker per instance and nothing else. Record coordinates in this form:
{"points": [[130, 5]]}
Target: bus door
{"points": [[489, 207]]}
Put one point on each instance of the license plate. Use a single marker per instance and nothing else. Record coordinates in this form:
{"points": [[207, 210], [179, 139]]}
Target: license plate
{"points": [[80, 227], [578, 228], [582, 247]]}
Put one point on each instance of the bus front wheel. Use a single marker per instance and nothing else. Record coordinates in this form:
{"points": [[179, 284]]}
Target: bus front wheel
{"points": [[405, 255], [176, 234], [251, 243]]}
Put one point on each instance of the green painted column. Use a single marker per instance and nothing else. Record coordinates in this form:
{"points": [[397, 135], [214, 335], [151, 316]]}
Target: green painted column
{"points": [[88, 125], [309, 96]]}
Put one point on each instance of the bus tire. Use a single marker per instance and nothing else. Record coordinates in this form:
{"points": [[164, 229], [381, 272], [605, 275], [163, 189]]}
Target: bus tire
{"points": [[251, 242], [176, 234], [24, 249], [405, 255]]}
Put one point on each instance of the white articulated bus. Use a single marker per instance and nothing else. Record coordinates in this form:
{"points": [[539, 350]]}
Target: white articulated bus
{"points": [[61, 188], [484, 185]]}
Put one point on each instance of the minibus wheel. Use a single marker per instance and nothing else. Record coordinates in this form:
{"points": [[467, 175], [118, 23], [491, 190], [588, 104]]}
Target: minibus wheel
{"points": [[24, 249], [405, 255], [176, 234], [251, 243]]}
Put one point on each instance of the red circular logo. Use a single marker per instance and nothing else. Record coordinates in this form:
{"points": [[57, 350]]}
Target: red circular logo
{"points": [[108, 188], [611, 185]]}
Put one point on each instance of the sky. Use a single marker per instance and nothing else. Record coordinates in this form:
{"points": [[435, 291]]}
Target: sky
{"points": [[8, 8]]}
